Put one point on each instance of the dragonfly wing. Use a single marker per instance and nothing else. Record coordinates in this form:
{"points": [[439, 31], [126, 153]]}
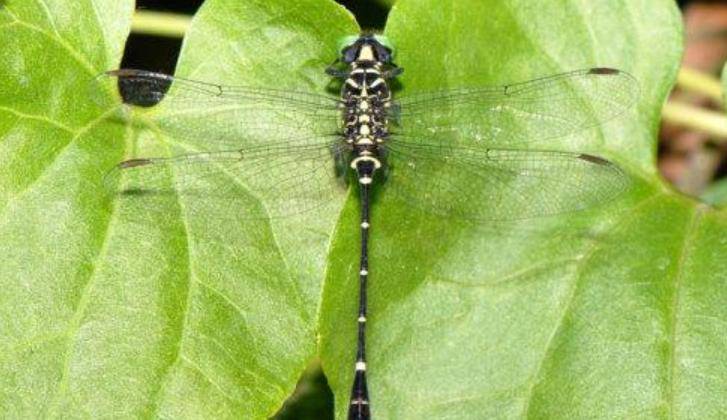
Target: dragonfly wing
{"points": [[521, 113], [214, 117], [499, 184], [287, 181]]}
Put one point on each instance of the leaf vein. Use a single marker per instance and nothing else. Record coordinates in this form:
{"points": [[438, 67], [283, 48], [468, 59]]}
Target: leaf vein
{"points": [[166, 377], [577, 275], [689, 238]]}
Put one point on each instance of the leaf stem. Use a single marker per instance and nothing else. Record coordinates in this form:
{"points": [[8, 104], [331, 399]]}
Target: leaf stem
{"points": [[696, 118], [171, 25], [702, 83]]}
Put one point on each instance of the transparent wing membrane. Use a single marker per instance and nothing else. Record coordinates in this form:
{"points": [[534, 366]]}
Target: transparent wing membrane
{"points": [[521, 113], [499, 185], [272, 146], [286, 181], [144, 88], [471, 153], [211, 117]]}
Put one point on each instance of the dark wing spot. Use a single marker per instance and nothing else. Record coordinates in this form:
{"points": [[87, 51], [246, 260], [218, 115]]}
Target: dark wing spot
{"points": [[594, 159], [132, 163], [603, 70]]}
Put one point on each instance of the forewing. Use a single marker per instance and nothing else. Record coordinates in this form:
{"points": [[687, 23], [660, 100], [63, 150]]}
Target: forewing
{"points": [[259, 152], [519, 114], [499, 184], [212, 117]]}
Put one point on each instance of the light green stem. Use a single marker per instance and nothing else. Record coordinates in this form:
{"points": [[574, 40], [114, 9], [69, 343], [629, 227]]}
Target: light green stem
{"points": [[170, 25], [698, 119], [702, 83]]}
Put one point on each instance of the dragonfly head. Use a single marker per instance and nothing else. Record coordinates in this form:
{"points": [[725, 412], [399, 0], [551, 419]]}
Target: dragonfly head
{"points": [[367, 47]]}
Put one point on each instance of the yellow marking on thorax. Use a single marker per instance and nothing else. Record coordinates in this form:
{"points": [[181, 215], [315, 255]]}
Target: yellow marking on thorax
{"points": [[366, 53], [364, 158]]}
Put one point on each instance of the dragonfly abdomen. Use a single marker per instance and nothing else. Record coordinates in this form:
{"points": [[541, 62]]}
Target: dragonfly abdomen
{"points": [[365, 97]]}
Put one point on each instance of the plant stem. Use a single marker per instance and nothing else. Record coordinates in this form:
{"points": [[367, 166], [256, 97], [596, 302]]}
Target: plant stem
{"points": [[702, 83], [172, 25], [690, 116]]}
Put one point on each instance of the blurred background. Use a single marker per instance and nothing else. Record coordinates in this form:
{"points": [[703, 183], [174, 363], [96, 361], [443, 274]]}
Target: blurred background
{"points": [[692, 142]]}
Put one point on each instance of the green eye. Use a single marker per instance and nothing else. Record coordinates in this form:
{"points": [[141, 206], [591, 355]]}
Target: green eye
{"points": [[346, 42], [386, 42]]}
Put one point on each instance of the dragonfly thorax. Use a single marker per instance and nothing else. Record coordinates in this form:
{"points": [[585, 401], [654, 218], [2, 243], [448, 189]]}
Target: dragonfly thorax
{"points": [[366, 97]]}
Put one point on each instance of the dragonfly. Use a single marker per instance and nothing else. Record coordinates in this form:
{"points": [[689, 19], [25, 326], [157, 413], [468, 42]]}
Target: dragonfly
{"points": [[474, 153]]}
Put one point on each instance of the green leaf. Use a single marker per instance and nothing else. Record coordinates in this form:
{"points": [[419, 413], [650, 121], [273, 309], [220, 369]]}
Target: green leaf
{"points": [[611, 314], [113, 308], [53, 221]]}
